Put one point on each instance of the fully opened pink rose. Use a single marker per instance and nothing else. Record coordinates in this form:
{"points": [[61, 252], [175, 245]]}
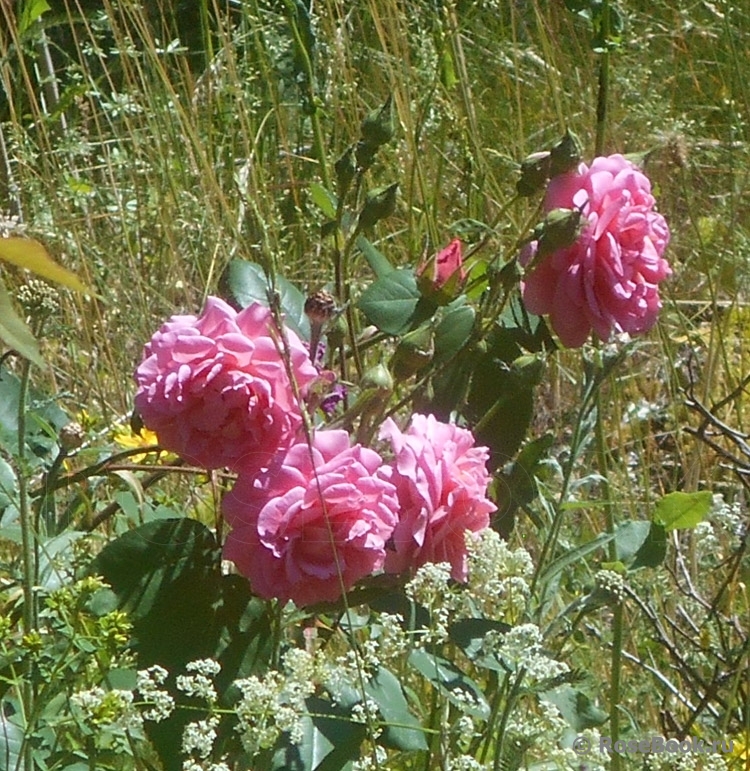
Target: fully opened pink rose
{"points": [[441, 480], [314, 521], [215, 389], [608, 280]]}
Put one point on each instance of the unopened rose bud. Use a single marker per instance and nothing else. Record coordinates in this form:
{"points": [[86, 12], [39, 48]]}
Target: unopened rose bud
{"points": [[377, 378], [566, 154], [535, 171], [377, 128], [559, 230], [381, 203], [345, 168], [442, 276]]}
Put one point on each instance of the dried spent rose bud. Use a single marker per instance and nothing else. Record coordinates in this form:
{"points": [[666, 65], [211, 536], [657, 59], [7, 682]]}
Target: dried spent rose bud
{"points": [[320, 307], [71, 436]]}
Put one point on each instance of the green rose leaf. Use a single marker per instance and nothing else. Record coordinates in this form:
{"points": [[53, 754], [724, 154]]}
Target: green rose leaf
{"points": [[244, 283], [394, 304]]}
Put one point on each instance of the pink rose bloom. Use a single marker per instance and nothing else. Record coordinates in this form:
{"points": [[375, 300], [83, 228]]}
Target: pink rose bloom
{"points": [[608, 280], [441, 480], [315, 520], [443, 273], [215, 389]]}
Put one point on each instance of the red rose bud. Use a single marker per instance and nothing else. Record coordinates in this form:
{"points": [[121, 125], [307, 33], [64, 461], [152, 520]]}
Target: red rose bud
{"points": [[442, 276]]}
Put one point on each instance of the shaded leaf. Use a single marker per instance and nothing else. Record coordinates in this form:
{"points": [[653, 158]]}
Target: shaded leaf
{"points": [[44, 419], [244, 283], [454, 329], [501, 399], [516, 485], [653, 551], [329, 740], [15, 333], [578, 710], [458, 687], [11, 742], [403, 731], [31, 255], [166, 574], [469, 634]]}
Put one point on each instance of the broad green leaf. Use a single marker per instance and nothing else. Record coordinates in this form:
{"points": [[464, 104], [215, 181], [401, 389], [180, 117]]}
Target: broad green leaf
{"points": [[31, 255], [329, 741], [501, 399], [14, 332], [44, 419], [31, 10], [653, 550], [516, 484], [578, 710], [378, 262], [469, 634], [244, 283], [453, 330], [393, 303], [629, 537], [167, 575], [402, 731], [323, 199], [11, 741], [458, 687], [683, 511], [8, 484]]}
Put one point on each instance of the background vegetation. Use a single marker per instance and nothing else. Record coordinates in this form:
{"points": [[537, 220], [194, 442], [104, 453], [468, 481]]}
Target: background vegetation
{"points": [[148, 145]]}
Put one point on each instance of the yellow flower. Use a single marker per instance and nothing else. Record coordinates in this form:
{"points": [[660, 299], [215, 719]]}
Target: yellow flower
{"points": [[127, 438]]}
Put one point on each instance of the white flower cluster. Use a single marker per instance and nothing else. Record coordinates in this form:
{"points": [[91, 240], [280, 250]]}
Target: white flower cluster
{"points": [[498, 576], [194, 765], [729, 518], [275, 703], [688, 761], [431, 588], [199, 736], [392, 640], [365, 712], [466, 763], [464, 729], [113, 709], [542, 728], [611, 582], [370, 763], [200, 683], [569, 760], [160, 703], [521, 648]]}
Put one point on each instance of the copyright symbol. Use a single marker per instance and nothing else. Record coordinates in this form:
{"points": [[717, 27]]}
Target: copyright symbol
{"points": [[581, 745]]}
